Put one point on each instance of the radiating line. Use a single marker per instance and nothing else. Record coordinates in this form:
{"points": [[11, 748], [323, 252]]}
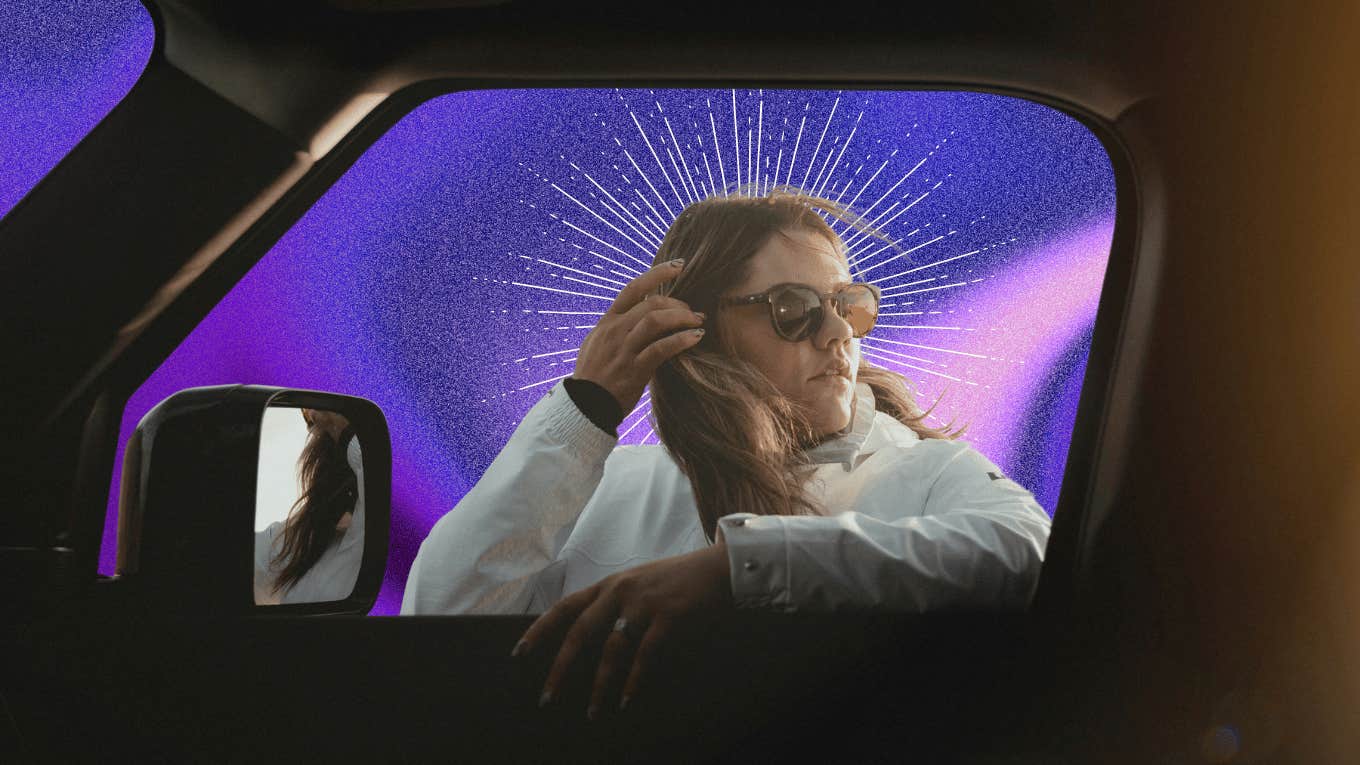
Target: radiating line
{"points": [[760, 130], [653, 209], [844, 146], [640, 420], [554, 353], [598, 217], [736, 139], [541, 382], [927, 289], [752, 172], [868, 183], [929, 348], [577, 228], [900, 181], [794, 158], [712, 191], [632, 271], [564, 292], [895, 257], [901, 212], [899, 286], [904, 313], [678, 151], [585, 282], [928, 265], [917, 326], [579, 271], [871, 354], [620, 205], [903, 355], [649, 183], [778, 160], [834, 104], [650, 148], [717, 149], [580, 313], [671, 156], [826, 161]]}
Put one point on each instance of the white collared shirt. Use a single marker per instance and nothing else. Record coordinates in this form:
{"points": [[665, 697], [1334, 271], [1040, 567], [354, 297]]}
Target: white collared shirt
{"points": [[910, 525]]}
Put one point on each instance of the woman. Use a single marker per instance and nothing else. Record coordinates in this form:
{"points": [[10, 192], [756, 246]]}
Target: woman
{"points": [[794, 474], [314, 555]]}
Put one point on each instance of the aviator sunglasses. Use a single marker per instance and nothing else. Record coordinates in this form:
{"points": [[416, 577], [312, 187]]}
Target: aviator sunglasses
{"points": [[796, 310]]}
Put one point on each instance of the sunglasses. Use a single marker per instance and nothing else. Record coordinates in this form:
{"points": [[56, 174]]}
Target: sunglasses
{"points": [[796, 310]]}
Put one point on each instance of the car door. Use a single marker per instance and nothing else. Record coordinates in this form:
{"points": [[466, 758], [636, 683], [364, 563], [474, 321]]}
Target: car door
{"points": [[92, 673]]}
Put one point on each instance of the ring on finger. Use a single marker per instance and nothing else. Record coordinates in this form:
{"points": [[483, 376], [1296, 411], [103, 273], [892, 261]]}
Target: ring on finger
{"points": [[626, 627]]}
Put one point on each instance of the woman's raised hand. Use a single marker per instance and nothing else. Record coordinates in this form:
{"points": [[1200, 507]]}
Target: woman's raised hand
{"points": [[636, 335]]}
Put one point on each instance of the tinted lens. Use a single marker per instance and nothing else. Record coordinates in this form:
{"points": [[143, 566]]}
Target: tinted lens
{"points": [[859, 306], [796, 312]]}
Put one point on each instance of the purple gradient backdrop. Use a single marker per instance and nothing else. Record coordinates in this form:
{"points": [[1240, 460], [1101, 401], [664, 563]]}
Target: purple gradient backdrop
{"points": [[63, 65], [368, 294], [400, 285]]}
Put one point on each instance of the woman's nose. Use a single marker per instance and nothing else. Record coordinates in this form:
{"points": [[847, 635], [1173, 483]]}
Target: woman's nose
{"points": [[834, 330]]}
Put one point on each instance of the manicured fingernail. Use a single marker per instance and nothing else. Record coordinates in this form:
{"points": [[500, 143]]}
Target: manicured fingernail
{"points": [[545, 699], [677, 263], [698, 332], [623, 703], [592, 712], [701, 315], [520, 648]]}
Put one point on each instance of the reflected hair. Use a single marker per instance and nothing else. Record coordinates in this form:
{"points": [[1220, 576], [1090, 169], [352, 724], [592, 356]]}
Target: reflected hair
{"points": [[738, 439], [329, 490]]}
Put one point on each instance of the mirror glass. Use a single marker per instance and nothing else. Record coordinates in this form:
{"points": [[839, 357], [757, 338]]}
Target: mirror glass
{"points": [[309, 507]]}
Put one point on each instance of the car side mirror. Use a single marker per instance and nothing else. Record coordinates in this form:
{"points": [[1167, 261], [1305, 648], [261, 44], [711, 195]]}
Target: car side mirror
{"points": [[242, 499]]}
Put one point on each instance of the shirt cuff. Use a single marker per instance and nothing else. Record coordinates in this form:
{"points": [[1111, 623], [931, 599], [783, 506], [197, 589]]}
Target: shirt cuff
{"points": [[758, 557], [565, 423], [596, 403]]}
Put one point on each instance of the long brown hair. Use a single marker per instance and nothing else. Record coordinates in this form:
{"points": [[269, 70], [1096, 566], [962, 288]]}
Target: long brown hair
{"points": [[736, 437], [329, 490]]}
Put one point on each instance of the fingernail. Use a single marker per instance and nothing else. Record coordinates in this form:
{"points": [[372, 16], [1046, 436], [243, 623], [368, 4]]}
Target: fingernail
{"points": [[592, 712], [545, 699], [698, 332], [677, 263], [520, 648], [701, 315], [623, 703]]}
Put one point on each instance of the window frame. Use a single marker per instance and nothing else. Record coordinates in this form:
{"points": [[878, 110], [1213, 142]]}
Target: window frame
{"points": [[1086, 449]]}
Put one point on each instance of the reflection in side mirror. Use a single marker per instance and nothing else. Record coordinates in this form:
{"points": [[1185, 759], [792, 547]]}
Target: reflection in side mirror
{"points": [[251, 499], [309, 507]]}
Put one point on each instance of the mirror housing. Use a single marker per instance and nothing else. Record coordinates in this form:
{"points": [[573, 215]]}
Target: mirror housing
{"points": [[186, 512]]}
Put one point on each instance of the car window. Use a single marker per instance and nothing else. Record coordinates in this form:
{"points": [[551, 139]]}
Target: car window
{"points": [[63, 66], [452, 272]]}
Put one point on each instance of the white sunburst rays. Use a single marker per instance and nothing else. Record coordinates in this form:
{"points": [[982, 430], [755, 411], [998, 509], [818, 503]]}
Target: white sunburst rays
{"points": [[604, 238]]}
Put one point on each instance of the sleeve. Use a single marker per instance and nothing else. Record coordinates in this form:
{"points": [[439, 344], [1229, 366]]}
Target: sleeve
{"points": [[484, 555], [264, 570], [596, 403], [977, 544]]}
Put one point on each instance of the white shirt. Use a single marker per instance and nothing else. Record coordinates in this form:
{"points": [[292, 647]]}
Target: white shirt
{"points": [[910, 525], [333, 576]]}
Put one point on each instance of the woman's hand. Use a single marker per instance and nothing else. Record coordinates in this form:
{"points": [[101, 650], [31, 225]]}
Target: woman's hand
{"points": [[633, 613], [638, 332]]}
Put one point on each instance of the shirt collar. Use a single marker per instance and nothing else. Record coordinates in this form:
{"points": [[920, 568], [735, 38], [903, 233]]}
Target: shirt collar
{"points": [[845, 447]]}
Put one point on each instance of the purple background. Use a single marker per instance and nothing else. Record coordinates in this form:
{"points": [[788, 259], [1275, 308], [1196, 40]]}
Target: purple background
{"points": [[402, 284], [63, 65]]}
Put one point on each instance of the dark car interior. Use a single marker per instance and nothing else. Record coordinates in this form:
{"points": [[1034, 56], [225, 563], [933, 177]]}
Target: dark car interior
{"points": [[1199, 592]]}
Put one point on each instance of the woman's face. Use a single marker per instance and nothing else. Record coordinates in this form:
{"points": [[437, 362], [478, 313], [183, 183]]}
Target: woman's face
{"points": [[818, 373]]}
